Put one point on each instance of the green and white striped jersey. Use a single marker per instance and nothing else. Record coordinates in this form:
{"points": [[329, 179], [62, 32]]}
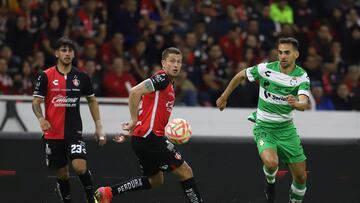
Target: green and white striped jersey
{"points": [[273, 109]]}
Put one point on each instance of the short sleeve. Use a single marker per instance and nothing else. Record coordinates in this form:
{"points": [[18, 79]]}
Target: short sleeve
{"points": [[252, 73], [87, 88], [41, 86], [159, 81], [304, 87]]}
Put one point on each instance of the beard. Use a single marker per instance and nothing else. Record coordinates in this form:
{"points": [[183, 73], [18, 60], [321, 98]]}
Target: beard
{"points": [[66, 62], [285, 64]]}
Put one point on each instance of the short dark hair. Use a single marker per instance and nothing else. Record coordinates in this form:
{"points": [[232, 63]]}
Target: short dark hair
{"points": [[65, 42], [170, 50], [289, 40]]}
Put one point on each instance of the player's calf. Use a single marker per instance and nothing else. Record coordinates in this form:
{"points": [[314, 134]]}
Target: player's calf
{"points": [[105, 194], [270, 194], [191, 191], [63, 190], [297, 192]]}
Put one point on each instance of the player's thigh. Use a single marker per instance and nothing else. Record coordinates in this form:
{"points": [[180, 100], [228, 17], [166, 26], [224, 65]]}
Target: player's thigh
{"points": [[159, 154], [264, 139], [270, 158], [76, 148], [289, 146], [56, 153], [148, 165], [168, 155]]}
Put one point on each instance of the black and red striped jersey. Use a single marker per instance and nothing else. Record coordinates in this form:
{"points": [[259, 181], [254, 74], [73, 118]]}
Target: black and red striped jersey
{"points": [[155, 107], [61, 94]]}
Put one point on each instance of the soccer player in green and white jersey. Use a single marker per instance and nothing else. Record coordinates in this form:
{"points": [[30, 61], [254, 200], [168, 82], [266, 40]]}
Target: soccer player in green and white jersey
{"points": [[284, 86]]}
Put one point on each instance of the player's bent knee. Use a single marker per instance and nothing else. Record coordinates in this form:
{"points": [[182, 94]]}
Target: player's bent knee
{"points": [[301, 178], [79, 166], [184, 172], [156, 180], [271, 164], [79, 170], [62, 174]]}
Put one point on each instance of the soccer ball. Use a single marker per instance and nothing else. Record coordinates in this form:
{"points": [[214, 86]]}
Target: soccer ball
{"points": [[178, 131]]}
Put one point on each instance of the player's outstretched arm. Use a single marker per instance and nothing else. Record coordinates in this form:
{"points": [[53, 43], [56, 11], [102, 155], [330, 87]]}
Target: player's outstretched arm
{"points": [[222, 100], [301, 103], [99, 135], [135, 95]]}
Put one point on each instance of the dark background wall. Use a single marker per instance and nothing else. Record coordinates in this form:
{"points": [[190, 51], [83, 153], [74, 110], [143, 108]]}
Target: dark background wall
{"points": [[227, 170]]}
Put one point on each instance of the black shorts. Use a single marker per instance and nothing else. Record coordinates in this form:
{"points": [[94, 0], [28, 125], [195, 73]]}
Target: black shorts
{"points": [[155, 154], [58, 152]]}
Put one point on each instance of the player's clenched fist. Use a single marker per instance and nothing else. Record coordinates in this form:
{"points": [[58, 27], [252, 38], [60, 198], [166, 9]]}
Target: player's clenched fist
{"points": [[221, 103]]}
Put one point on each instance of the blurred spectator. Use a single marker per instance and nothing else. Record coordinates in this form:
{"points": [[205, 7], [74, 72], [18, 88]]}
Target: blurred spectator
{"points": [[352, 43], [6, 83], [185, 90], [92, 69], [193, 71], [125, 20], [305, 16], [24, 82], [49, 36], [268, 28], [335, 56], [336, 21], [13, 62], [256, 38], [38, 63], [113, 48], [20, 39], [118, 81], [140, 67], [208, 16], [202, 37], [322, 41], [246, 94], [352, 18], [90, 23], [343, 100], [55, 9], [193, 43], [281, 12], [89, 53], [312, 66], [155, 43], [287, 30], [30, 11], [252, 52], [214, 75], [4, 17], [330, 77], [232, 19], [183, 11], [232, 44], [323, 102], [272, 55], [352, 79]]}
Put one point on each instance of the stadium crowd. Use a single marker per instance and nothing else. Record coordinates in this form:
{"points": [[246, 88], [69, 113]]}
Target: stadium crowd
{"points": [[120, 44]]}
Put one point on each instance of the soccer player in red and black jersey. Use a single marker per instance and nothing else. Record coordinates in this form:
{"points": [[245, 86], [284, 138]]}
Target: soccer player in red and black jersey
{"points": [[150, 104], [61, 87]]}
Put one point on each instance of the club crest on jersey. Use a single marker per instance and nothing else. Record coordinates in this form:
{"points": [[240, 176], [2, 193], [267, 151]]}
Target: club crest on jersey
{"points": [[76, 82], [293, 81], [177, 156]]}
